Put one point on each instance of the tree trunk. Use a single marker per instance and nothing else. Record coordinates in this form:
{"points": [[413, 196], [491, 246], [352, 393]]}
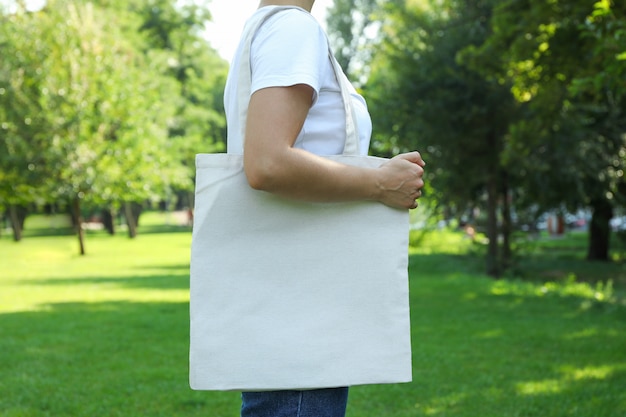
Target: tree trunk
{"points": [[16, 224], [600, 230], [108, 220], [506, 226], [79, 225], [493, 269], [130, 220], [189, 207]]}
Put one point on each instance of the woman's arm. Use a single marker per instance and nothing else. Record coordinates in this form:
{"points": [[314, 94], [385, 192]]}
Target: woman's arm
{"points": [[275, 117]]}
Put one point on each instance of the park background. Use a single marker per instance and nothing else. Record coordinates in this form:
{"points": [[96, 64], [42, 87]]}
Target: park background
{"points": [[516, 269]]}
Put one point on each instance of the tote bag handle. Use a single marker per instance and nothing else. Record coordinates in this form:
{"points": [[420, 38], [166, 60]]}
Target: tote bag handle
{"points": [[351, 146]]}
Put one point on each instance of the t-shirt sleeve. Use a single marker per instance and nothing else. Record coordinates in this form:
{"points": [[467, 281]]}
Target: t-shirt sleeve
{"points": [[289, 49]]}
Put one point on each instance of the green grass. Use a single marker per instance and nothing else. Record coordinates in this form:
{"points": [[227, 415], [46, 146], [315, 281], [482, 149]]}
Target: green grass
{"points": [[107, 334]]}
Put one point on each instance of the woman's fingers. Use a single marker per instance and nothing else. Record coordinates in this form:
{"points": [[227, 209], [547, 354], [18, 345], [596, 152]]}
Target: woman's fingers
{"points": [[402, 180]]}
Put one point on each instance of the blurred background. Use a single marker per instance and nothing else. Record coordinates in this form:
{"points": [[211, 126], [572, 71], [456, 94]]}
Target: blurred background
{"points": [[517, 248]]}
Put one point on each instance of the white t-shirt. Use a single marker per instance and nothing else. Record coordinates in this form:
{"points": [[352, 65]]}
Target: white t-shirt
{"points": [[291, 48]]}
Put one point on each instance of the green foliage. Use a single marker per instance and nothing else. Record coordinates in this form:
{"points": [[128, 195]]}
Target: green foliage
{"points": [[106, 102], [449, 112], [562, 61], [100, 103], [522, 100], [174, 31], [351, 27], [24, 165], [454, 115]]}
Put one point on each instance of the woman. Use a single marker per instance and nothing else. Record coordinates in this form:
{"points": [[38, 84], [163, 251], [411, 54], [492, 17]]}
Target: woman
{"points": [[296, 114]]}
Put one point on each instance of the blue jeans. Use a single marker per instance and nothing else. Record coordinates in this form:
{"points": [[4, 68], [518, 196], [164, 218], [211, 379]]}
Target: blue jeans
{"points": [[329, 402]]}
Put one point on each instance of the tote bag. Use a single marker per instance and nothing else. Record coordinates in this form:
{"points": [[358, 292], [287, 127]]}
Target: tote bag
{"points": [[294, 295]]}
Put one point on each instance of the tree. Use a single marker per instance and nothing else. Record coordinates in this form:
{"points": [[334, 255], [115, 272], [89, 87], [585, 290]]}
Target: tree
{"points": [[199, 125], [103, 105], [25, 164], [566, 63], [452, 112], [169, 34], [106, 103], [349, 23]]}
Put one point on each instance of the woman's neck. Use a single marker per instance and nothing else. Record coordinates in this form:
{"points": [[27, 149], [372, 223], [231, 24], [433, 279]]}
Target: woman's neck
{"points": [[305, 4]]}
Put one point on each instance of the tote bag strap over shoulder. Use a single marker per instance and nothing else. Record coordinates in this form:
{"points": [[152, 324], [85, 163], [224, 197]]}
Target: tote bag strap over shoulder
{"points": [[351, 146]]}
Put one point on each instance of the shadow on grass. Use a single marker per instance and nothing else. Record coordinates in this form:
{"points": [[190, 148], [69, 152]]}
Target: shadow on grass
{"points": [[563, 258], [543, 267], [174, 277], [49, 232], [562, 265], [102, 359], [70, 231], [480, 348], [506, 348], [444, 263], [164, 229]]}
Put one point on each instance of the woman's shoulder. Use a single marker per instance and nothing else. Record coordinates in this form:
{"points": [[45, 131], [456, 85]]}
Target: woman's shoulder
{"points": [[296, 22]]}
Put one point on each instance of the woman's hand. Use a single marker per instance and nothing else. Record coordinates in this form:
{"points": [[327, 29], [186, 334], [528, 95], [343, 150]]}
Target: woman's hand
{"points": [[400, 180]]}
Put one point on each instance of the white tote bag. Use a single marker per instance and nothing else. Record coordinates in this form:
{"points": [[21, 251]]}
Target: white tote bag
{"points": [[294, 295]]}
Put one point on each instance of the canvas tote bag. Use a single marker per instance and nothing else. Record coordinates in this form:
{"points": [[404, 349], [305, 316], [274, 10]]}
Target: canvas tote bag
{"points": [[294, 295]]}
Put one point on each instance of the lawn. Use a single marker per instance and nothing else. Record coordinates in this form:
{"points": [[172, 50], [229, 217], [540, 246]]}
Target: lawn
{"points": [[107, 334]]}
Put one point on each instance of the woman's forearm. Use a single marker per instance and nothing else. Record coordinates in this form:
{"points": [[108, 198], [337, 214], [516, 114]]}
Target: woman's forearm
{"points": [[298, 174], [275, 118]]}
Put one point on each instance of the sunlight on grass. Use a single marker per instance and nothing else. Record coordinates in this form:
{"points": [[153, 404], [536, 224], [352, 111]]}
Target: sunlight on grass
{"points": [[491, 334], [583, 334], [439, 241], [40, 273], [115, 325], [591, 333], [441, 404], [601, 292], [548, 386], [589, 372], [569, 375]]}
